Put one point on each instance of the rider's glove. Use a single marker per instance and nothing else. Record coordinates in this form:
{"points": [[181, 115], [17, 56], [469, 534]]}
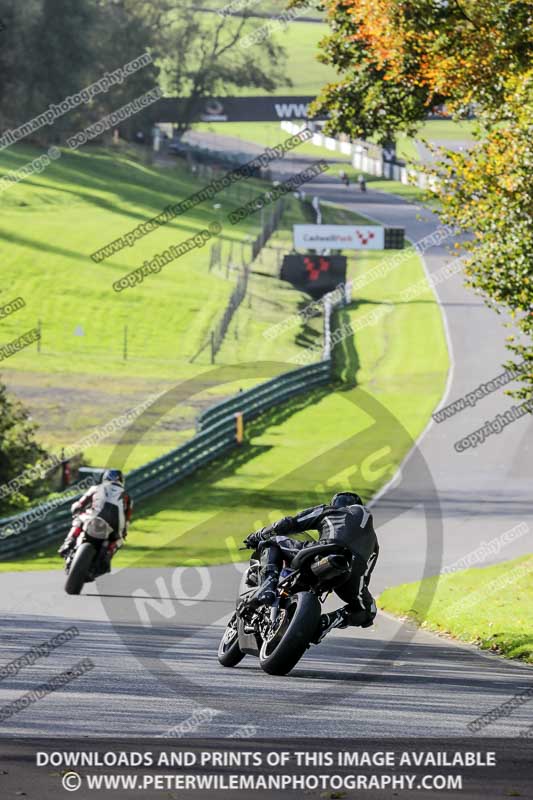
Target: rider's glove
{"points": [[254, 539], [251, 541]]}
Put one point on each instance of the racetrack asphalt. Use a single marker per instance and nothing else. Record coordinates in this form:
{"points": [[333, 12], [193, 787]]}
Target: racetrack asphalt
{"points": [[388, 681]]}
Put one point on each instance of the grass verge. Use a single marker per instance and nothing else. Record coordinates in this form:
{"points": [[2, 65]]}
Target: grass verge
{"points": [[491, 607], [305, 450], [79, 378]]}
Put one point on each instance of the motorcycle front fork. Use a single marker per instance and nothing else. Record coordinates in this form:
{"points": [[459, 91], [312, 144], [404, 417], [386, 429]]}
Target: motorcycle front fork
{"points": [[274, 610]]}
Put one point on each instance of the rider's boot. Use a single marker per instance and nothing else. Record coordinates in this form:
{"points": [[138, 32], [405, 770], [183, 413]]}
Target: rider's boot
{"points": [[347, 615], [266, 593], [66, 547], [70, 541], [271, 563], [336, 619]]}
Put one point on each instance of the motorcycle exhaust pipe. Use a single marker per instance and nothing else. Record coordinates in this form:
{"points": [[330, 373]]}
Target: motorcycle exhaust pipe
{"points": [[330, 566]]}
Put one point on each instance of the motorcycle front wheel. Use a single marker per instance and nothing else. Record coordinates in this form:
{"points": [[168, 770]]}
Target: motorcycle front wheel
{"points": [[229, 652], [291, 635], [79, 568]]}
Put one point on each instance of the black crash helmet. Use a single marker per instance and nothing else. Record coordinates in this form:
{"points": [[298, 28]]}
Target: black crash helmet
{"points": [[343, 499]]}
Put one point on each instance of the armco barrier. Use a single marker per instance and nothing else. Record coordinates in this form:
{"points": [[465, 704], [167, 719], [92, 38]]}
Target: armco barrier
{"points": [[256, 400], [216, 435]]}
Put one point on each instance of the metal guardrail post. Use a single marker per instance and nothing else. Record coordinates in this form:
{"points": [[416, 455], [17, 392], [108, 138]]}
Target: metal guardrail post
{"points": [[239, 427]]}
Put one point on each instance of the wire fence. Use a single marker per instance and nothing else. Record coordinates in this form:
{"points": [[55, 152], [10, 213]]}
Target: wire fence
{"points": [[268, 226], [237, 296], [216, 435]]}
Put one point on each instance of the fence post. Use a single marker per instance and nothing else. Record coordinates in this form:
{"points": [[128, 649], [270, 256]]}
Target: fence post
{"points": [[327, 329], [316, 206], [239, 427]]}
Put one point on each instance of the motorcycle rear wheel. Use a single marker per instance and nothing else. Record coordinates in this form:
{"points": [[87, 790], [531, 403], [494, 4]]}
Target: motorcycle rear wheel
{"points": [[281, 652], [79, 568]]}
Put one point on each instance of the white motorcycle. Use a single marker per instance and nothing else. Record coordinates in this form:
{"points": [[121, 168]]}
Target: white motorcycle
{"points": [[89, 558]]}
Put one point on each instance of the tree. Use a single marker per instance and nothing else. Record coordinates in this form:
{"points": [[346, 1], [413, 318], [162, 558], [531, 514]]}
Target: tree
{"points": [[366, 100], [19, 450], [201, 54], [488, 191], [397, 60], [196, 53], [51, 49], [16, 70], [121, 32], [61, 53]]}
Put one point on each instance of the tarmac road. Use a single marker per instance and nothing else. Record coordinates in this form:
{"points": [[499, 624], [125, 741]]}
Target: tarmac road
{"points": [[388, 681]]}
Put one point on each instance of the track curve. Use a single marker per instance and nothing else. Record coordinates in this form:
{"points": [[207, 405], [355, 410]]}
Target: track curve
{"points": [[417, 684]]}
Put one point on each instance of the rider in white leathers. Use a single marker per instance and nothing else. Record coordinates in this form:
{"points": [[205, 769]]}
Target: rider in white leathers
{"points": [[107, 501]]}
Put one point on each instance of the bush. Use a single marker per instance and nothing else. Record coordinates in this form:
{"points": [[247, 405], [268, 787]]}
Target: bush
{"points": [[19, 450]]}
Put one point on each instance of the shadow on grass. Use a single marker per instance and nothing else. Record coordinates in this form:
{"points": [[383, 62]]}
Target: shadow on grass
{"points": [[346, 361], [191, 494], [134, 185], [197, 493]]}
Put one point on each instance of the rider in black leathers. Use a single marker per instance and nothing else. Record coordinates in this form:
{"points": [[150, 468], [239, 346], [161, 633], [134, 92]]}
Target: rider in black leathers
{"points": [[347, 521]]}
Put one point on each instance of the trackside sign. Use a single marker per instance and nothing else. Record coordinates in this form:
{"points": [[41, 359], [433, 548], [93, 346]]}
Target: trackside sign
{"points": [[339, 237]]}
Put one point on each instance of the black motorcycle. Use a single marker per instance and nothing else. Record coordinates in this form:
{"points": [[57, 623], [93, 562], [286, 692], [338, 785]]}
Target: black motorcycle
{"points": [[89, 558], [280, 634]]}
